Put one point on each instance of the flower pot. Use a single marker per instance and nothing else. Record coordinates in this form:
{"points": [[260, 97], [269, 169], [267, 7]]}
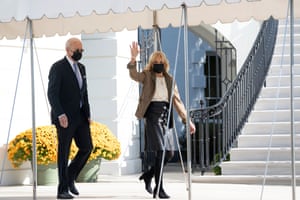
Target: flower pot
{"points": [[47, 174], [90, 171], [10, 175]]}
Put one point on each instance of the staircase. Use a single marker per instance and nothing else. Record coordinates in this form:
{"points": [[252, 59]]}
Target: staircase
{"points": [[264, 147]]}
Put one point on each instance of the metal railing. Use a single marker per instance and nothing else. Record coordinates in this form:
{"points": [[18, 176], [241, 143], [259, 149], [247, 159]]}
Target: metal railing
{"points": [[219, 125]]}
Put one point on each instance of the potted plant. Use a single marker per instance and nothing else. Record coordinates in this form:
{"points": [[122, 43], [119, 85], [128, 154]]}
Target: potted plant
{"points": [[20, 148], [20, 151], [105, 145]]}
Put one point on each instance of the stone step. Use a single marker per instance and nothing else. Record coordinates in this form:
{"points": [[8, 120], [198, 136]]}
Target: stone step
{"points": [[283, 70], [272, 140], [281, 92], [276, 103], [285, 48], [258, 167], [277, 140], [273, 116], [245, 179], [283, 22], [282, 29], [263, 154], [285, 59], [265, 128], [284, 80]]}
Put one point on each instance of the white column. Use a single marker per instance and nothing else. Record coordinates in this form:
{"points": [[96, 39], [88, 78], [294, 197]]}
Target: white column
{"points": [[113, 95]]}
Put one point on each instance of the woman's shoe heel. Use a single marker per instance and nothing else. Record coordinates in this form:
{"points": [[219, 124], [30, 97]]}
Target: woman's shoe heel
{"points": [[147, 183], [161, 194]]}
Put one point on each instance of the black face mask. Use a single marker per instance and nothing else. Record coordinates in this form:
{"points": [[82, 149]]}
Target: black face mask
{"points": [[158, 68], [77, 55]]}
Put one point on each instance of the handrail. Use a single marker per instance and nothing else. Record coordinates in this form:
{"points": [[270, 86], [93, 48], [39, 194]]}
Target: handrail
{"points": [[219, 125]]}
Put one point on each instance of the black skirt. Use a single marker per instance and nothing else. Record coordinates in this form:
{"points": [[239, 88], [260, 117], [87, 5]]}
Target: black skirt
{"points": [[157, 134]]}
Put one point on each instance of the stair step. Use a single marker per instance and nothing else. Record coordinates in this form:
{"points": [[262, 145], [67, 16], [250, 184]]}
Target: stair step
{"points": [[284, 21], [276, 81], [284, 70], [276, 103], [282, 29], [273, 116], [244, 179], [267, 140], [284, 39], [286, 48], [258, 128], [262, 154], [258, 167], [271, 92], [285, 59]]}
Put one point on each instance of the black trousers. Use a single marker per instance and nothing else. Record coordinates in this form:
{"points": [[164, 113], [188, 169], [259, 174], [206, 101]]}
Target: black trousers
{"points": [[78, 130]]}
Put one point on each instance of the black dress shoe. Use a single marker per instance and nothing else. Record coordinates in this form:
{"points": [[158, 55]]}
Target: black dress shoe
{"points": [[147, 181], [73, 189], [64, 195]]}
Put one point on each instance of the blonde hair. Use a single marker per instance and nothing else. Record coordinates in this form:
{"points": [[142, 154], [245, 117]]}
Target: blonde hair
{"points": [[154, 56]]}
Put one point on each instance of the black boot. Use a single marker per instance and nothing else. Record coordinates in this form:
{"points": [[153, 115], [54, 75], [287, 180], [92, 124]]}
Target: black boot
{"points": [[147, 177], [158, 174], [161, 193]]}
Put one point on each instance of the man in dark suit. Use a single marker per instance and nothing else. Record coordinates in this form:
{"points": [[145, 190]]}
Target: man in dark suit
{"points": [[70, 112]]}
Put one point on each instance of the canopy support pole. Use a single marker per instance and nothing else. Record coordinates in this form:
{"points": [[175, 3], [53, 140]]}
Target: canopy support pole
{"points": [[292, 98], [34, 161], [187, 100], [156, 36]]}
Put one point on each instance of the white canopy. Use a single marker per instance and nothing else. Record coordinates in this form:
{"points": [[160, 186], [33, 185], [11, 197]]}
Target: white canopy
{"points": [[81, 16], [88, 16]]}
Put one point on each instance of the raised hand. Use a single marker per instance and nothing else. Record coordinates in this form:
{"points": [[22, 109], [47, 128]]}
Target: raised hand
{"points": [[134, 50]]}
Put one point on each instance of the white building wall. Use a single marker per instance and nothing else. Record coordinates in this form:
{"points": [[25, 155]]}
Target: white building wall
{"points": [[241, 35], [113, 95]]}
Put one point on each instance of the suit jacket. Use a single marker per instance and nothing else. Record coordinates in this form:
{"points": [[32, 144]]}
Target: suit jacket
{"points": [[64, 94], [148, 79]]}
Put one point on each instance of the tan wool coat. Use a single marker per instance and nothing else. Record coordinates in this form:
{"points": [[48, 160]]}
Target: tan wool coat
{"points": [[148, 80]]}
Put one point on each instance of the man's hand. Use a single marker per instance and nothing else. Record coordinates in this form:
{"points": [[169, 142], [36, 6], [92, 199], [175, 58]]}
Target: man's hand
{"points": [[63, 120]]}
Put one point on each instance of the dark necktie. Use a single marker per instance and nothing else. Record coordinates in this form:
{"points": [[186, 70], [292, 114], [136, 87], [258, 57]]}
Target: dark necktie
{"points": [[78, 75]]}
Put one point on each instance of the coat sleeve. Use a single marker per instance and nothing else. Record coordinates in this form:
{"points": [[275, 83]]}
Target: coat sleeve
{"points": [[134, 74], [54, 83], [178, 104]]}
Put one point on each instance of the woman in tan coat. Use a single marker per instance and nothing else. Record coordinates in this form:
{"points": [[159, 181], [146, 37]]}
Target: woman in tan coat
{"points": [[153, 107]]}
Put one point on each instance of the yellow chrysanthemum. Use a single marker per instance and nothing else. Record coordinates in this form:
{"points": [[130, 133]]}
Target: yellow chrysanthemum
{"points": [[105, 145], [103, 141], [20, 148]]}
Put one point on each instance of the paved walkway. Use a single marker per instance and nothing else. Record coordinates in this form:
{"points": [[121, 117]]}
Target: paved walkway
{"points": [[129, 187]]}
